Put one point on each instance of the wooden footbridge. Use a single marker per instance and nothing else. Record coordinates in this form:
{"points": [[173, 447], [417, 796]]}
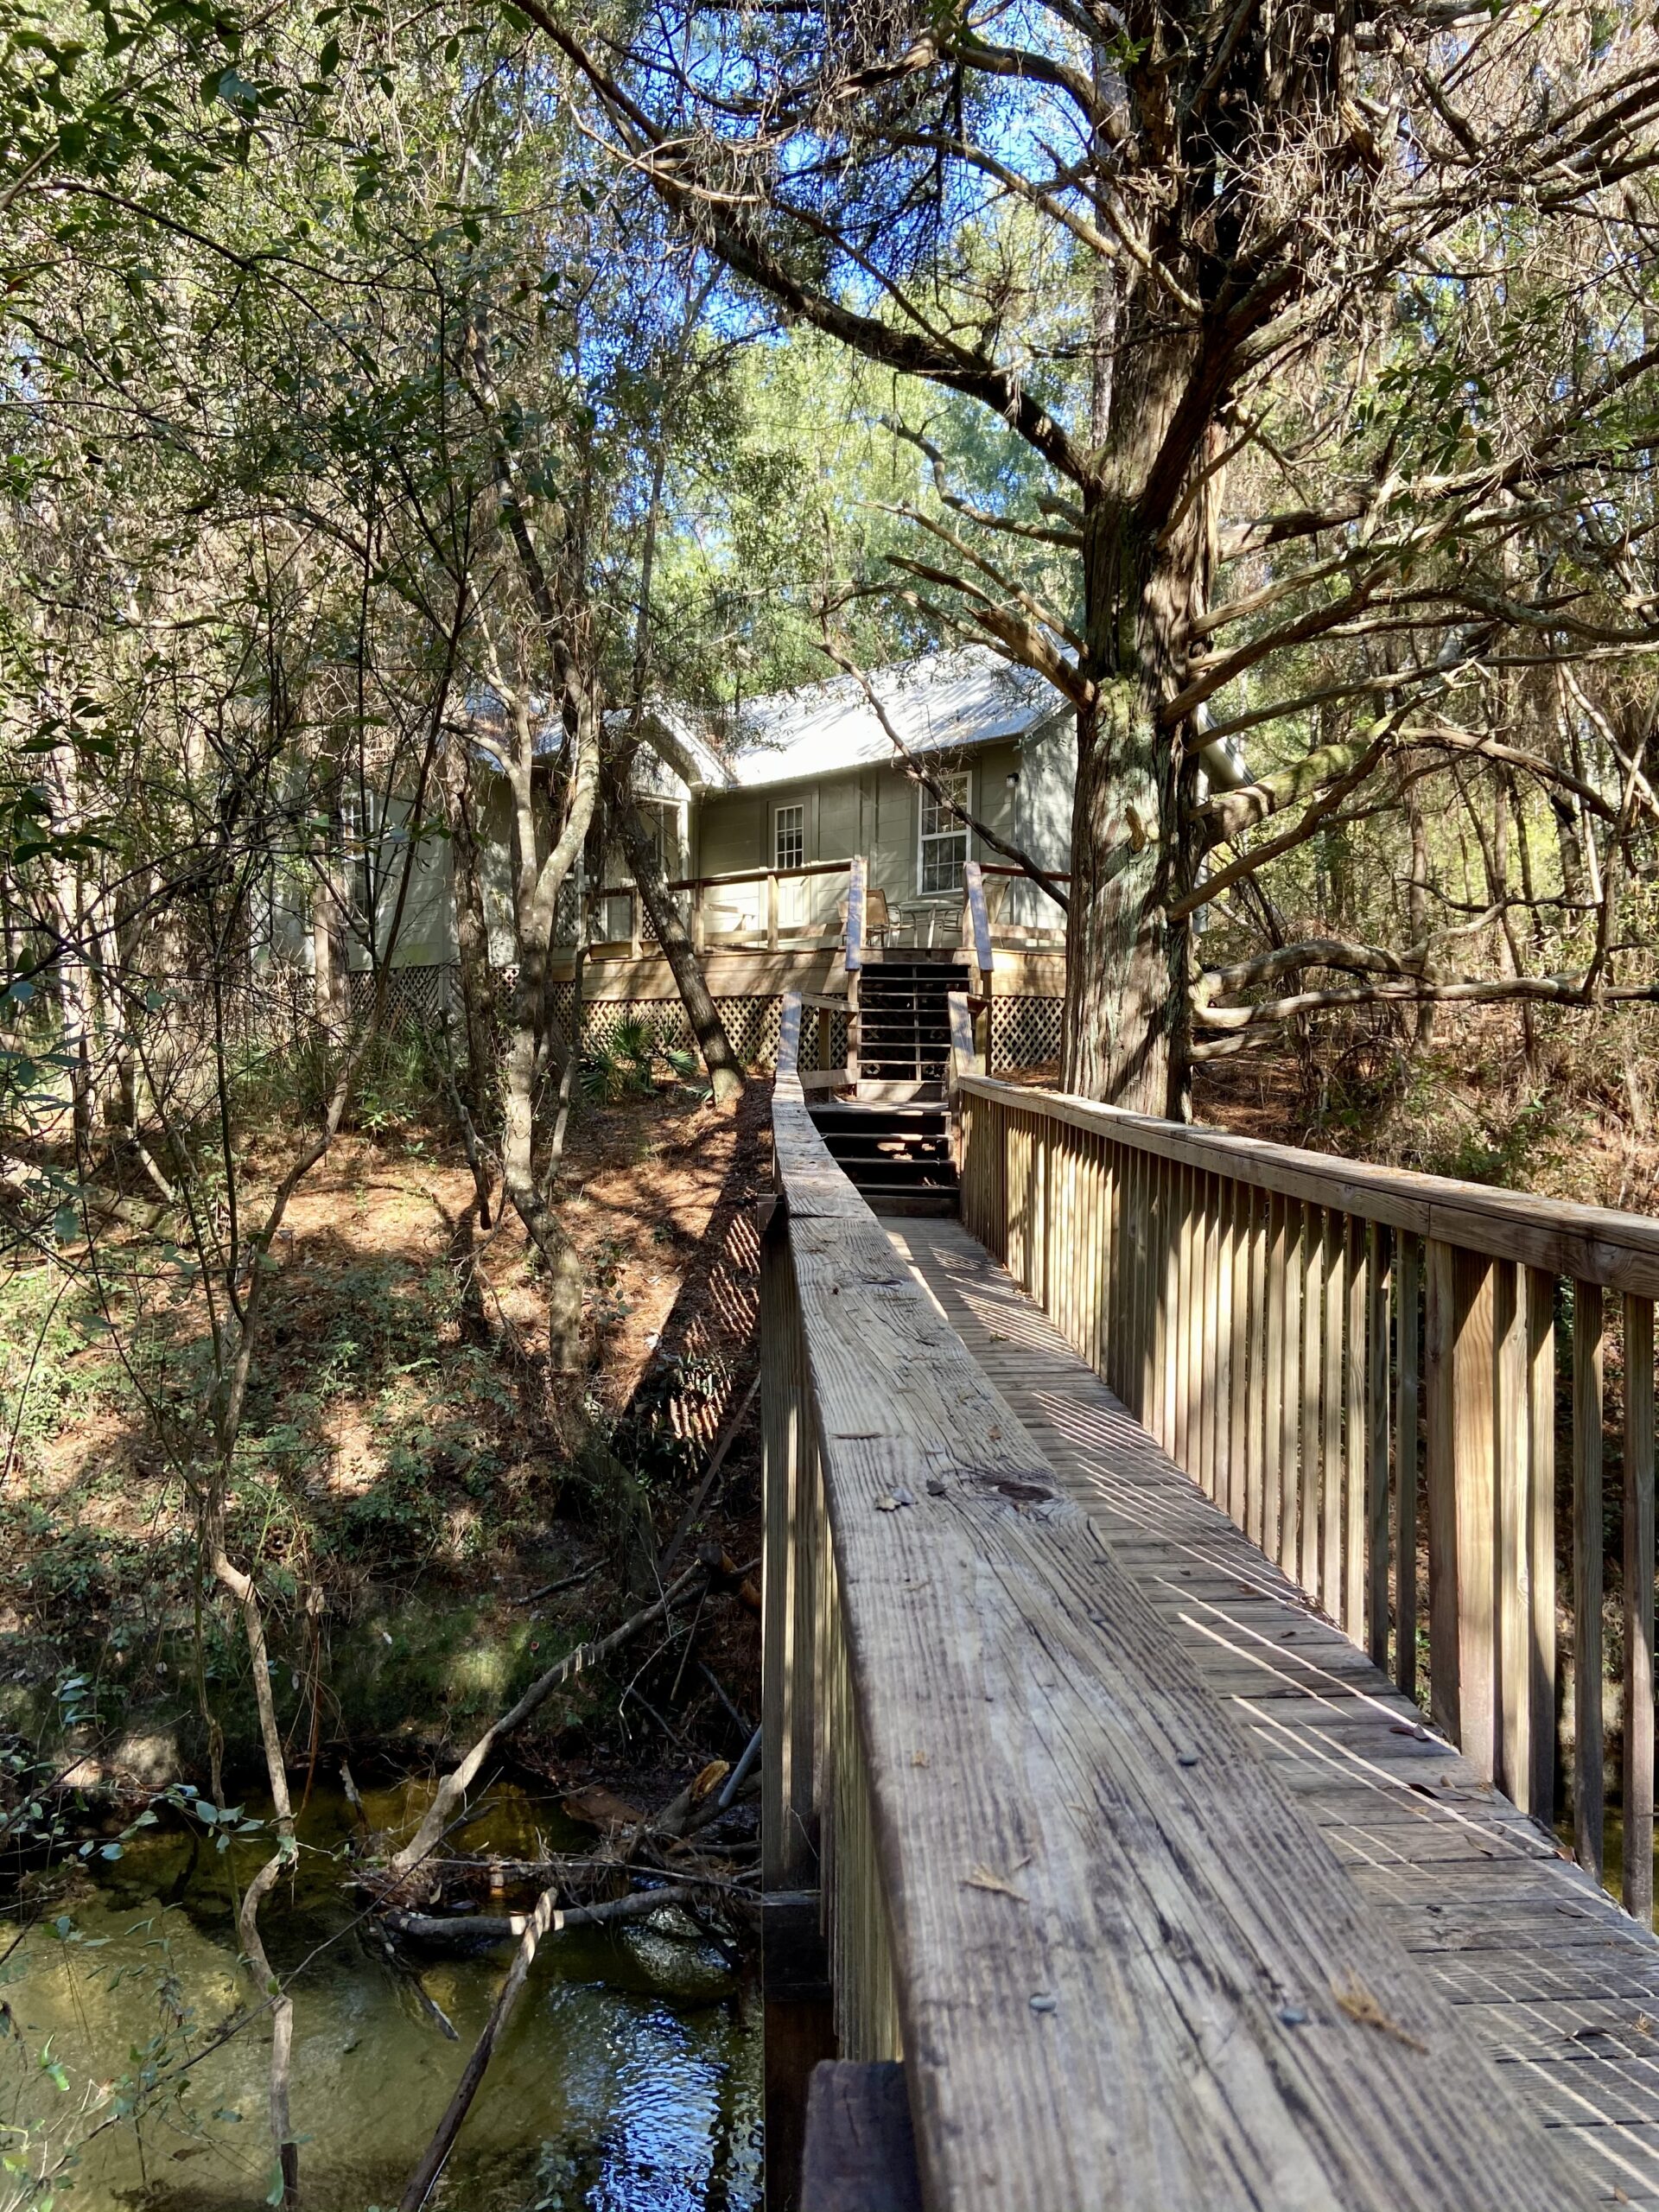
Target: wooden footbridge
{"points": [[1172, 1638]]}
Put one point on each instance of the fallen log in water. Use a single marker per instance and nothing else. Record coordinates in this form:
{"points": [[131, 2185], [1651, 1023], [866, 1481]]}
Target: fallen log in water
{"points": [[466, 1930]]}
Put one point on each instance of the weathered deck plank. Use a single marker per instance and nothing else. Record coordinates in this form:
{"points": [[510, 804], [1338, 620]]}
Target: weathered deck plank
{"points": [[1560, 1987]]}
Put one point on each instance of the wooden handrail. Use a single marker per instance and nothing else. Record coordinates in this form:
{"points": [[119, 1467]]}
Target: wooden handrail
{"points": [[853, 936], [964, 1058], [1306, 1335], [1054, 876], [1591, 1243], [1055, 1877], [976, 922], [736, 875], [789, 1034]]}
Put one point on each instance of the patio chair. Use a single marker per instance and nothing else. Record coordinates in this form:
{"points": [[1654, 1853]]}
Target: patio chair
{"points": [[878, 922]]}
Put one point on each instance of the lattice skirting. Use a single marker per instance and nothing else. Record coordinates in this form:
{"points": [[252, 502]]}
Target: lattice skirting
{"points": [[1025, 1030], [421, 995], [750, 1023], [1025, 1033]]}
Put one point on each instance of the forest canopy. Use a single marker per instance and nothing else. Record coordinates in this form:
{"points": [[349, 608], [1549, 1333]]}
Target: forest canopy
{"points": [[410, 415]]}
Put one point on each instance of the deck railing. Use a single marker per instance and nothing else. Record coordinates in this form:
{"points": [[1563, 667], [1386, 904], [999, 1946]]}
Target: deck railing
{"points": [[1359, 1363], [1032, 937], [771, 933], [981, 928]]}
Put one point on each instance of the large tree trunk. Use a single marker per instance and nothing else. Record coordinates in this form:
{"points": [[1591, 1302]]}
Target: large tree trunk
{"points": [[536, 896], [1134, 849], [471, 938], [76, 977], [725, 1074], [331, 894]]}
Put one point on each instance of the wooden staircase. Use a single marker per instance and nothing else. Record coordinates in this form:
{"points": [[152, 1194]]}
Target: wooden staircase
{"points": [[897, 1156], [892, 1138], [904, 1028]]}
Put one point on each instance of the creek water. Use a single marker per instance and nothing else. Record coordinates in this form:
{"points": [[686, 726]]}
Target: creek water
{"points": [[629, 2081]]}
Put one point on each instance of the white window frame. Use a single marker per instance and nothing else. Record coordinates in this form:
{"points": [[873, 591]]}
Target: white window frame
{"points": [[798, 808], [960, 783]]}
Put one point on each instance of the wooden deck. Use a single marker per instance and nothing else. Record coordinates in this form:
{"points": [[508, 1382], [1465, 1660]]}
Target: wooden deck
{"points": [[1556, 1983]]}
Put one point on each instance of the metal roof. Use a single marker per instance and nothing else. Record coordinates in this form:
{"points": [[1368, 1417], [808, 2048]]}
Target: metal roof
{"points": [[940, 702]]}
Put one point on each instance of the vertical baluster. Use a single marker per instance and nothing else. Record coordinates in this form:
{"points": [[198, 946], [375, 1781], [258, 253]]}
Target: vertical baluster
{"points": [[1540, 1296], [1588, 1356], [1514, 1548], [1157, 1295], [1104, 1254], [1378, 1282], [1476, 1516], [1107, 1259], [1257, 1321], [1219, 1334], [1178, 1277], [1040, 1182], [1199, 1359], [1440, 1481], [1060, 1242], [1408, 1359], [805, 1547], [1082, 1263], [1014, 1235], [1638, 1608], [1297, 1240], [1330, 1491], [1073, 1255], [1238, 1367], [1318, 1251], [1140, 1403], [1356, 1442], [780, 1414], [1278, 1275], [1131, 1239]]}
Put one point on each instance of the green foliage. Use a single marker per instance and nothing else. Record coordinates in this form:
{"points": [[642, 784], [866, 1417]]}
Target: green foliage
{"points": [[621, 1062]]}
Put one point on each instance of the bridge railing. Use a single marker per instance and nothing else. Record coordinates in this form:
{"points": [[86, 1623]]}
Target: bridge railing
{"points": [[1366, 1367], [1055, 1881]]}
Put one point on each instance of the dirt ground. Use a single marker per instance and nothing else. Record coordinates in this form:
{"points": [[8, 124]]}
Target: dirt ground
{"points": [[404, 1467]]}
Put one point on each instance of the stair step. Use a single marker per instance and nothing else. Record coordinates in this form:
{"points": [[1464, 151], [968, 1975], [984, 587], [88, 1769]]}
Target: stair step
{"points": [[908, 1090], [873, 1167], [846, 1112], [851, 1150], [942, 1204]]}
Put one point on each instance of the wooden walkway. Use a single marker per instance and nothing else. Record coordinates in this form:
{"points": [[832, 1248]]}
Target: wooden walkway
{"points": [[1560, 1986]]}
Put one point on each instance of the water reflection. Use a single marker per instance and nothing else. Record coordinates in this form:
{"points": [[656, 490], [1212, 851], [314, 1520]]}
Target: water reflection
{"points": [[630, 2082]]}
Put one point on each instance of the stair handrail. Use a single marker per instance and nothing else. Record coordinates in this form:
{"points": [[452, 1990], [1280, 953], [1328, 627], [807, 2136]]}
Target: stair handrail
{"points": [[853, 935], [789, 1034], [965, 1058], [976, 923], [853, 959]]}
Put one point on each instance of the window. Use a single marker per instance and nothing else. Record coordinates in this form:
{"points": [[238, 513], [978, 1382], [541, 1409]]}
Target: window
{"points": [[789, 837], [944, 841]]}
